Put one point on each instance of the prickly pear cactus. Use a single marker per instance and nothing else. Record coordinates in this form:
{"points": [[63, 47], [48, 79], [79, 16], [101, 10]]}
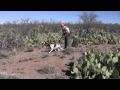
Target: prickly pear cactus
{"points": [[97, 37], [75, 41], [93, 65]]}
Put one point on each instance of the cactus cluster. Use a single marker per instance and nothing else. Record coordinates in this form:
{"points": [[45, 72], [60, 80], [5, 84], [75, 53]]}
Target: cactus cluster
{"points": [[97, 37], [93, 65], [43, 39]]}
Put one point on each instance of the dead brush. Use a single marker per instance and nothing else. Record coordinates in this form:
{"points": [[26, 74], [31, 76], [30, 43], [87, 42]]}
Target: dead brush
{"points": [[29, 49], [59, 76], [44, 56], [4, 75], [26, 59], [3, 56], [47, 70], [62, 56]]}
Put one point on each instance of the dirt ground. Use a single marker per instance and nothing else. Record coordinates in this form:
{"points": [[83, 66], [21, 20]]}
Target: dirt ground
{"points": [[27, 65]]}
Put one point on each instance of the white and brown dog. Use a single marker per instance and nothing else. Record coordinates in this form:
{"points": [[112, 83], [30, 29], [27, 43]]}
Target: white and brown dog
{"points": [[56, 47]]}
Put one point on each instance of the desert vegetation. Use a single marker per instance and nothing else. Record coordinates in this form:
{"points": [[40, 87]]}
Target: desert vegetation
{"points": [[94, 49]]}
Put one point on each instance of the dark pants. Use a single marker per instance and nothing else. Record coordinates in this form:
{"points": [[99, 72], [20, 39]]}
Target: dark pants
{"points": [[66, 42]]}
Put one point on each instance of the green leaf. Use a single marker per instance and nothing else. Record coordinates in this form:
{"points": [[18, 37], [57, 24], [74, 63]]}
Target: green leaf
{"points": [[88, 73], [108, 61], [91, 59], [108, 73], [93, 76], [76, 63], [111, 71], [72, 72], [111, 64], [90, 77], [111, 55], [99, 70], [104, 77], [75, 70], [115, 59], [115, 73], [88, 64], [85, 68], [85, 53], [99, 65], [77, 77], [119, 54], [96, 61], [104, 68]]}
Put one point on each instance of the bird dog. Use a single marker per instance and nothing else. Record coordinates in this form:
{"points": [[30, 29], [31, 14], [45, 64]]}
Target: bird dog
{"points": [[55, 47]]}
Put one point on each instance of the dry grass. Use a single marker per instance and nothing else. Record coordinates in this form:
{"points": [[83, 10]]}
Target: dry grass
{"points": [[4, 75], [59, 76], [47, 70], [26, 59]]}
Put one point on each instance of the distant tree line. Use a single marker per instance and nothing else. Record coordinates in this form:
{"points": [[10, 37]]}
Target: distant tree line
{"points": [[87, 21]]}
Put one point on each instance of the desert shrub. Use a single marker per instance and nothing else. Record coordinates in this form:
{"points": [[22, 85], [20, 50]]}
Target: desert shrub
{"points": [[47, 70], [13, 34], [4, 75], [59, 76]]}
